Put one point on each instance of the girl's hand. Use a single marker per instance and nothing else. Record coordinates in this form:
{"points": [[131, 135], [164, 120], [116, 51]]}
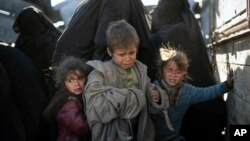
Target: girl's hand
{"points": [[230, 78], [154, 94]]}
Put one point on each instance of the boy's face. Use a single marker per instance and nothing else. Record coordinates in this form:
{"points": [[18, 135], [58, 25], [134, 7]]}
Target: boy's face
{"points": [[172, 74], [75, 83], [125, 58]]}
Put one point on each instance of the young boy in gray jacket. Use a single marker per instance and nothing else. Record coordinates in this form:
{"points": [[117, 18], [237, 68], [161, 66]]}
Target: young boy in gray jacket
{"points": [[118, 94]]}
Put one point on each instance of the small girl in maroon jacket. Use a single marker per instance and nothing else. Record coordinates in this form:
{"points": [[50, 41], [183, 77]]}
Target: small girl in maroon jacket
{"points": [[66, 107]]}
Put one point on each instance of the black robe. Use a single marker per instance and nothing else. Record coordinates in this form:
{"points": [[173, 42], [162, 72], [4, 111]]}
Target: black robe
{"points": [[85, 35], [23, 98]]}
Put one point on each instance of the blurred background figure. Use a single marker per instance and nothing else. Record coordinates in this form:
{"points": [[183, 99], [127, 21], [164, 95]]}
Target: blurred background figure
{"points": [[9, 9], [66, 9], [23, 97], [37, 37]]}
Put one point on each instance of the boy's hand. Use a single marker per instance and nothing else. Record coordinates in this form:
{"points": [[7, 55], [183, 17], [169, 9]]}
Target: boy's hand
{"points": [[155, 95]]}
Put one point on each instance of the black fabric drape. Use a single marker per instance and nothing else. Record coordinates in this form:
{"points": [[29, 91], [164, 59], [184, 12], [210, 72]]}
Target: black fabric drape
{"points": [[174, 23], [85, 35], [23, 98]]}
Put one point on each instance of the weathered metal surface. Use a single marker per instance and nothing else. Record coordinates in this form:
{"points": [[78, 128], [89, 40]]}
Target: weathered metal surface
{"points": [[227, 26], [238, 102], [235, 54], [226, 10], [227, 18]]}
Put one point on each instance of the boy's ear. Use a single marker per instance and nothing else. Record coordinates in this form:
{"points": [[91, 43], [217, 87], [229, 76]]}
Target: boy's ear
{"points": [[109, 52]]}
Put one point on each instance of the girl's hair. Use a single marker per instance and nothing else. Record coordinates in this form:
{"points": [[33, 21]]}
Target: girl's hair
{"points": [[181, 60], [121, 34], [67, 66]]}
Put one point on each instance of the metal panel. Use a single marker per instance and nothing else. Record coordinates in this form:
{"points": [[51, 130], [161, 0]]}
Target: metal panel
{"points": [[231, 18], [228, 9], [235, 54]]}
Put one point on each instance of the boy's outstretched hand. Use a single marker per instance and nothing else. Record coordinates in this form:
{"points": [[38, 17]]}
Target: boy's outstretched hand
{"points": [[155, 94]]}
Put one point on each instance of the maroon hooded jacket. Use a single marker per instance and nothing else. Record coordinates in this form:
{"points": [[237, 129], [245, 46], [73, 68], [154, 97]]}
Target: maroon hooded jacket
{"points": [[72, 122]]}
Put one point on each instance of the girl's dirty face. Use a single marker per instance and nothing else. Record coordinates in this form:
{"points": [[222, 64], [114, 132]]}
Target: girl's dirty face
{"points": [[75, 83], [172, 74]]}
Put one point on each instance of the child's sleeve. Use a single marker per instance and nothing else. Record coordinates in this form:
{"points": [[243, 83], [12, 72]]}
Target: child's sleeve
{"points": [[203, 94], [161, 107], [105, 103]]}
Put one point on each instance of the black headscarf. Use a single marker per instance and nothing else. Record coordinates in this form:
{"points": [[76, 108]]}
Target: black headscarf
{"points": [[37, 36]]}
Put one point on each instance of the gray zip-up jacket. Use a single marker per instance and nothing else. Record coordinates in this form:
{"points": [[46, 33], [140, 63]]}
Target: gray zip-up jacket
{"points": [[109, 106]]}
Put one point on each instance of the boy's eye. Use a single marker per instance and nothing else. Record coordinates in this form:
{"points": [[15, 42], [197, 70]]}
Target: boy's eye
{"points": [[122, 54], [132, 52]]}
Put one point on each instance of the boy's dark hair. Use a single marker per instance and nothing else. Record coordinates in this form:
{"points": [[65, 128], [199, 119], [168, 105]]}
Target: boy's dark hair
{"points": [[69, 65], [120, 34]]}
